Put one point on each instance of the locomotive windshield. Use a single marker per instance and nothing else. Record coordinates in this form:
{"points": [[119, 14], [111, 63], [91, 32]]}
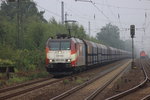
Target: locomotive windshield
{"points": [[59, 45], [65, 45], [54, 45]]}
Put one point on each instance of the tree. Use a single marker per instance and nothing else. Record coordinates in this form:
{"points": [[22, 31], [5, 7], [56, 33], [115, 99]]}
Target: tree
{"points": [[77, 31], [128, 45], [11, 14], [27, 8], [109, 35]]}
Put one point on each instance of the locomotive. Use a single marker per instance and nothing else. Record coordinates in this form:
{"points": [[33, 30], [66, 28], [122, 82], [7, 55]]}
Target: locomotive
{"points": [[143, 54], [68, 54]]}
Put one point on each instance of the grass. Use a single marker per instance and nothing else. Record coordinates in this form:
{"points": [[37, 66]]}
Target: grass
{"points": [[79, 80], [16, 79], [38, 75], [66, 81], [22, 77]]}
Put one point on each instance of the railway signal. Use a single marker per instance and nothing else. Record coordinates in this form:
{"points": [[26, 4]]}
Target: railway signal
{"points": [[132, 30], [132, 33]]}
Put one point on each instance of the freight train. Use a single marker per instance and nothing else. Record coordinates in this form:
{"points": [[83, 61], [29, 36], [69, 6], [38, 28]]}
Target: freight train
{"points": [[68, 54]]}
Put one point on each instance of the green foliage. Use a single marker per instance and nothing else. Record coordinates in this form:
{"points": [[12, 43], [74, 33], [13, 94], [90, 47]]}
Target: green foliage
{"points": [[29, 60], [6, 52], [109, 35], [6, 62], [66, 81], [38, 75], [128, 45], [2, 82], [22, 59], [79, 80], [17, 80]]}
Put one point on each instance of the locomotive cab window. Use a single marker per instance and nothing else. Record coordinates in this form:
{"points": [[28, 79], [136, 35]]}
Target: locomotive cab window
{"points": [[54, 45], [59, 45], [65, 45]]}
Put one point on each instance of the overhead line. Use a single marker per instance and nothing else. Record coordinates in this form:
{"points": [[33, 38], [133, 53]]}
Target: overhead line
{"points": [[123, 7], [117, 17], [49, 11], [95, 7], [100, 11], [85, 18]]}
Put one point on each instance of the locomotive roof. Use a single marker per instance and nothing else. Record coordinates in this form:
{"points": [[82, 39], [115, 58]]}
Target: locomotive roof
{"points": [[77, 40], [59, 40]]}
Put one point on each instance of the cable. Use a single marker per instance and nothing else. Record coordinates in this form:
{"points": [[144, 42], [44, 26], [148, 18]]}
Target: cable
{"points": [[94, 4], [84, 18], [122, 7], [100, 10], [48, 10]]}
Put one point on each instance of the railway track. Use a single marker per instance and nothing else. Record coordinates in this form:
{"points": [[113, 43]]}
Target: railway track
{"points": [[10, 92], [15, 91], [146, 97], [91, 88], [140, 91]]}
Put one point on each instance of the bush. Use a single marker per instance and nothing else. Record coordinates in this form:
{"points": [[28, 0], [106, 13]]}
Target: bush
{"points": [[38, 75], [22, 59], [17, 80], [29, 60], [6, 62]]}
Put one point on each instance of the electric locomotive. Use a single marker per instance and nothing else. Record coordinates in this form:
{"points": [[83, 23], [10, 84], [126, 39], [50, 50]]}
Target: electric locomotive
{"points": [[64, 54]]}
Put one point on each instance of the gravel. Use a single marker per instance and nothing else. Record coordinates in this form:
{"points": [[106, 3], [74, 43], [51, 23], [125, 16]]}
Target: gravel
{"points": [[129, 79], [55, 89]]}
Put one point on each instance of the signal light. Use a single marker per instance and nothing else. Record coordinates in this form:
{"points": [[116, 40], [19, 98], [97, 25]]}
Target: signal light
{"points": [[132, 30]]}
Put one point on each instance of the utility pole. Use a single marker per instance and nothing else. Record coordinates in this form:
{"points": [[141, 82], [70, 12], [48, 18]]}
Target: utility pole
{"points": [[62, 12], [66, 20], [89, 26], [66, 16], [18, 23], [69, 28], [132, 33]]}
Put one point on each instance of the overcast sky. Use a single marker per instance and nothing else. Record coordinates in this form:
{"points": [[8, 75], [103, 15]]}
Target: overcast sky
{"points": [[122, 13]]}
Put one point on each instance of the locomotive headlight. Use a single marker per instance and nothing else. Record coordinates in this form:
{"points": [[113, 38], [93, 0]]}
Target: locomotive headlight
{"points": [[68, 60], [50, 60]]}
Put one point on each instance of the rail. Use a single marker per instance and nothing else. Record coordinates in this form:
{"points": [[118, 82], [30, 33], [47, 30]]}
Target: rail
{"points": [[69, 92], [122, 94], [95, 93], [11, 91]]}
